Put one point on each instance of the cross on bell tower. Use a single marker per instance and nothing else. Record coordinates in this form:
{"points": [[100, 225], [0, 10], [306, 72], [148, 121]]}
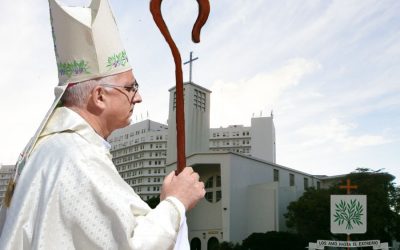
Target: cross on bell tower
{"points": [[190, 65]]}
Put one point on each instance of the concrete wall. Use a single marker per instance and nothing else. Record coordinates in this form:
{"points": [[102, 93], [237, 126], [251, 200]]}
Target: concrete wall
{"points": [[263, 206], [243, 173], [263, 139]]}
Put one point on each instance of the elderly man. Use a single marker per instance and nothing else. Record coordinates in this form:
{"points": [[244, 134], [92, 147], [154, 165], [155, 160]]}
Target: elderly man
{"points": [[68, 193]]}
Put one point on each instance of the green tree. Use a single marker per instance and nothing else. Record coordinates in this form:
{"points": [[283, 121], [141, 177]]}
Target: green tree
{"points": [[274, 241], [310, 215], [382, 203], [268, 241], [229, 246]]}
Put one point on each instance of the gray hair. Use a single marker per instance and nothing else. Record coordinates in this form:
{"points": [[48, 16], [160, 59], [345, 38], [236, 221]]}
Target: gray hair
{"points": [[77, 94]]}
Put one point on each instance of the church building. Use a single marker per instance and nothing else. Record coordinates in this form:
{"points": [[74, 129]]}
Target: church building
{"points": [[245, 192]]}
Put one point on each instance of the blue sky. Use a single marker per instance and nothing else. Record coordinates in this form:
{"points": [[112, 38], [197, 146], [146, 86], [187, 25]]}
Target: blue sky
{"points": [[328, 69]]}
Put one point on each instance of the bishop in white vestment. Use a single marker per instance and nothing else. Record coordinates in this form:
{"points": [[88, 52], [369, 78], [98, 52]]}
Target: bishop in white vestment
{"points": [[68, 194]]}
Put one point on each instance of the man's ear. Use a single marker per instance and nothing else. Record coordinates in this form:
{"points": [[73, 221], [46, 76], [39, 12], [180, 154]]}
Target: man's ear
{"points": [[97, 98]]}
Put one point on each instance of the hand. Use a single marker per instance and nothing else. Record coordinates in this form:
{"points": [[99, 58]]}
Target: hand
{"points": [[186, 187]]}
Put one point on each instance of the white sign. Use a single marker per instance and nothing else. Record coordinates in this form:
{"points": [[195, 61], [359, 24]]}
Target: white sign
{"points": [[321, 244], [348, 214], [365, 243]]}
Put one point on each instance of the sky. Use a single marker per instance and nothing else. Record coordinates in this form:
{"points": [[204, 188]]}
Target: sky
{"points": [[329, 70]]}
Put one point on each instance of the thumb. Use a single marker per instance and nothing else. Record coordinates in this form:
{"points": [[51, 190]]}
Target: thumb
{"points": [[169, 177]]}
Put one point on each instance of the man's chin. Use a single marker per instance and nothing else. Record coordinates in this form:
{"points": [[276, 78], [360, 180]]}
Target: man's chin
{"points": [[126, 123]]}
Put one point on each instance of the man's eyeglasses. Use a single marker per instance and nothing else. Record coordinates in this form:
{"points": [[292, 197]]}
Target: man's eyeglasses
{"points": [[133, 88]]}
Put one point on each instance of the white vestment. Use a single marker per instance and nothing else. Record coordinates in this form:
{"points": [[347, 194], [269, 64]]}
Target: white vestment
{"points": [[70, 196]]}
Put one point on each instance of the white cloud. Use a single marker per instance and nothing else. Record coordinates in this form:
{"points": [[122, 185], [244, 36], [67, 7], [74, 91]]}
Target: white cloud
{"points": [[231, 101], [338, 136]]}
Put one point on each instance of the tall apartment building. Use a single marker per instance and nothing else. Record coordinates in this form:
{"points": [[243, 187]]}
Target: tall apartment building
{"points": [[139, 153], [257, 141], [6, 172]]}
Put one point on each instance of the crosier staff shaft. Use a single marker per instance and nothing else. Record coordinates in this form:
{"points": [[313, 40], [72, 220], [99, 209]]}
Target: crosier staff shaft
{"points": [[204, 11]]}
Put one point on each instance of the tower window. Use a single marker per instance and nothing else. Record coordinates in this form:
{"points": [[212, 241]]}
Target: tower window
{"points": [[199, 100]]}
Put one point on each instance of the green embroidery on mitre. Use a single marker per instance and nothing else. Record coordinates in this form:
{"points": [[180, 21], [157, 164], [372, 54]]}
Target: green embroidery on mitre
{"points": [[117, 60], [73, 68]]}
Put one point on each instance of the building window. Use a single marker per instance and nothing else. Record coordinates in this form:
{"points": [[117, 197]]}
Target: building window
{"points": [[218, 196], [174, 102], [213, 189], [209, 196], [276, 175], [305, 183], [218, 184], [318, 185], [199, 100], [209, 183], [291, 179]]}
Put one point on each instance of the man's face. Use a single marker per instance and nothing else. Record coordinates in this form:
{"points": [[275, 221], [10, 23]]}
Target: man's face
{"points": [[121, 100]]}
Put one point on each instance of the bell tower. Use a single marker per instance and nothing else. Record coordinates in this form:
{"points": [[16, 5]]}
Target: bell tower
{"points": [[197, 120]]}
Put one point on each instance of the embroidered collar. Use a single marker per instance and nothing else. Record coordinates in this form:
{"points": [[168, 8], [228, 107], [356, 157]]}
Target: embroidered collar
{"points": [[65, 119]]}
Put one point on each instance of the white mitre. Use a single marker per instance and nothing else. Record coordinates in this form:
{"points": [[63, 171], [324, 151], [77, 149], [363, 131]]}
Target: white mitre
{"points": [[87, 46], [86, 42]]}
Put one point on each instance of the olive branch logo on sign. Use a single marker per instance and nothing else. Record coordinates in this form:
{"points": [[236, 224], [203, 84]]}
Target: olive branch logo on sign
{"points": [[348, 214]]}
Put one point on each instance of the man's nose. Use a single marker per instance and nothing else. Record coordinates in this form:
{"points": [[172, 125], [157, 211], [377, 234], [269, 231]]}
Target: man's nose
{"points": [[137, 98]]}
